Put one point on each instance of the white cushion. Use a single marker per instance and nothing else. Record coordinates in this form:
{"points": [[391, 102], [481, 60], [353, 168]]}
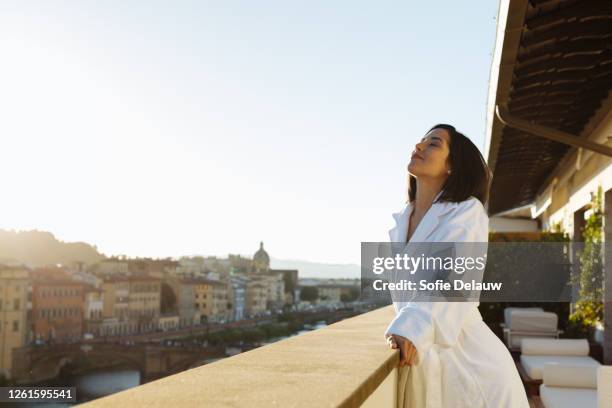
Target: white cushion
{"points": [[534, 365], [604, 386], [563, 397], [573, 376], [533, 320], [516, 338], [509, 310], [554, 347]]}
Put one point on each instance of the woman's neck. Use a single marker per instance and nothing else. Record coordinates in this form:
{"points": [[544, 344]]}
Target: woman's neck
{"points": [[425, 193]]}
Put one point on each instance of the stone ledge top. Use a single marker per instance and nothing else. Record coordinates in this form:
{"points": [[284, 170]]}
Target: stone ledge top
{"points": [[339, 365]]}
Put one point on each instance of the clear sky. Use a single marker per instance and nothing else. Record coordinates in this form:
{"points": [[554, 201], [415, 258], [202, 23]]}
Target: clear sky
{"points": [[174, 128]]}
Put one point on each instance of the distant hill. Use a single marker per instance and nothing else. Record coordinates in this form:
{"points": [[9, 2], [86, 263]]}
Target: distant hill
{"points": [[40, 248], [318, 270]]}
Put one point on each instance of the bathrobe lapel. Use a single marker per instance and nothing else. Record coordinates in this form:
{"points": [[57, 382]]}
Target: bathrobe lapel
{"points": [[428, 224]]}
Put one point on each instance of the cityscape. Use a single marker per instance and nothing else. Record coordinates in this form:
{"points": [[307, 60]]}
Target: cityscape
{"points": [[193, 310], [202, 201]]}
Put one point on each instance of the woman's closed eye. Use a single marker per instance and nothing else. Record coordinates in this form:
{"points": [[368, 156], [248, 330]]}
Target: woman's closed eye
{"points": [[432, 142], [432, 145]]}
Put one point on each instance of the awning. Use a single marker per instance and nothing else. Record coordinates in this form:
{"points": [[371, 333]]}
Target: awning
{"points": [[552, 67]]}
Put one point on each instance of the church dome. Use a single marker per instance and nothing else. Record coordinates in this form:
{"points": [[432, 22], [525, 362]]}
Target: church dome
{"points": [[261, 259]]}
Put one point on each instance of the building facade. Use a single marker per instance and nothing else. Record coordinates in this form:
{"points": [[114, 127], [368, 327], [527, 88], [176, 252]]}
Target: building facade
{"points": [[115, 310], [13, 315], [144, 302], [212, 300], [57, 309], [256, 298], [93, 307], [184, 291], [237, 297], [549, 121]]}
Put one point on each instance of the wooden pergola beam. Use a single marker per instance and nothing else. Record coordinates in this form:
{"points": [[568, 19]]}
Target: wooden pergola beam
{"points": [[553, 134]]}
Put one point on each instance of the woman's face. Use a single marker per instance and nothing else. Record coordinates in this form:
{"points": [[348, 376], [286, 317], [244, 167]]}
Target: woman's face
{"points": [[430, 156]]}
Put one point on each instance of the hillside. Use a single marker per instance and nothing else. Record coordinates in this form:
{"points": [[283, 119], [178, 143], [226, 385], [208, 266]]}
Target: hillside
{"points": [[39, 248]]}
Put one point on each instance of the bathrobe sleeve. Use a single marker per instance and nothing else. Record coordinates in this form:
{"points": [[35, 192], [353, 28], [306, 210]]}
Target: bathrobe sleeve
{"points": [[425, 323]]}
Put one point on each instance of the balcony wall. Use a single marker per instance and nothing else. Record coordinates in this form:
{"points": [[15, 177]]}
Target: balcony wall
{"points": [[345, 364]]}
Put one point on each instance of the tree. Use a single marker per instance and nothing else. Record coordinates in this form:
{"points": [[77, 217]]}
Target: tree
{"points": [[309, 293]]}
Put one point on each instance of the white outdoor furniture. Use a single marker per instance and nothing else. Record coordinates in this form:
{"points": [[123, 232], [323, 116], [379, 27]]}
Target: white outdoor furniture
{"points": [[528, 322], [604, 386], [535, 353], [568, 386]]}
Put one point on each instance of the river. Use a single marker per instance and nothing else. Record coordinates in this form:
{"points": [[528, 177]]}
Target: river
{"points": [[97, 384]]}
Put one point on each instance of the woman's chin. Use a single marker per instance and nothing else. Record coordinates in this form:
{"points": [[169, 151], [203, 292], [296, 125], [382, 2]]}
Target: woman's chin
{"points": [[413, 168]]}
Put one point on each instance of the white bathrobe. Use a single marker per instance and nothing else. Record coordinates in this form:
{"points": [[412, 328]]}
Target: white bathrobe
{"points": [[460, 361]]}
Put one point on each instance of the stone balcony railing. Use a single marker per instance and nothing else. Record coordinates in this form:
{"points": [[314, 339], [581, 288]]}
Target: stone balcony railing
{"points": [[346, 364]]}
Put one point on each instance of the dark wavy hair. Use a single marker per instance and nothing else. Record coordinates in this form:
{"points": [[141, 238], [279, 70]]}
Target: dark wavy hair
{"points": [[470, 174]]}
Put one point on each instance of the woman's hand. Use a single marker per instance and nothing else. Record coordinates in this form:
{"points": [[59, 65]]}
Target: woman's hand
{"points": [[408, 352]]}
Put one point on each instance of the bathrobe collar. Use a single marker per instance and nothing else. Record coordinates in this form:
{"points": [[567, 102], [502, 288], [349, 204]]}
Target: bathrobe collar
{"points": [[425, 227]]}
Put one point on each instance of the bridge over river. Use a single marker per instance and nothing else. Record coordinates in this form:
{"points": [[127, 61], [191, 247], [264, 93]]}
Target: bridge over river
{"points": [[35, 364], [143, 352]]}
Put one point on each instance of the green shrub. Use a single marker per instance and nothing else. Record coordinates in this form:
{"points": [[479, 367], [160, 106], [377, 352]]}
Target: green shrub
{"points": [[589, 307]]}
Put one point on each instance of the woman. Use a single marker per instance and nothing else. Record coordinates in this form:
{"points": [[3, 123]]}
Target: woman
{"points": [[448, 355]]}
